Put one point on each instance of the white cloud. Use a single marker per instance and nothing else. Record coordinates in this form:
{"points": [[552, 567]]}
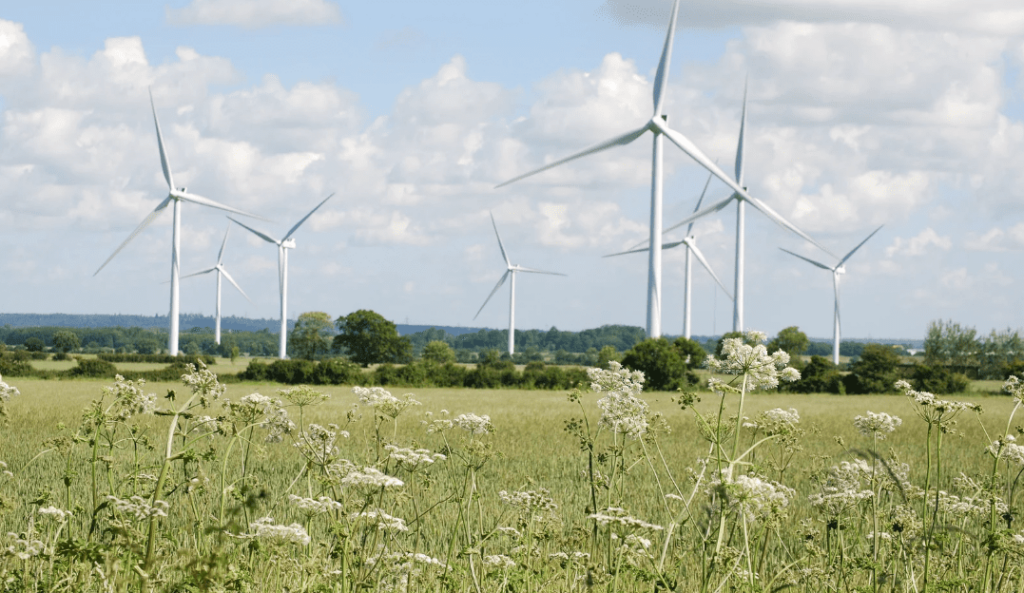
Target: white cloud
{"points": [[919, 245], [997, 239], [17, 56], [253, 14]]}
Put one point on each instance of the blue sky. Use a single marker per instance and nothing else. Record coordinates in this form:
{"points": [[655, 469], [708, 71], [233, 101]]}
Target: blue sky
{"points": [[907, 115]]}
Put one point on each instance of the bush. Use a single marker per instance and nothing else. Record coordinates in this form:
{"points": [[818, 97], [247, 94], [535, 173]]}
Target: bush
{"points": [[34, 344], [92, 368], [818, 376], [156, 358], [875, 371], [661, 364], [939, 379]]}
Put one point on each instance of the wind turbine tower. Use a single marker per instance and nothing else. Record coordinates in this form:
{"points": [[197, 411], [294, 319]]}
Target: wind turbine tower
{"points": [[283, 245], [221, 271], [175, 196], [836, 270], [511, 271]]}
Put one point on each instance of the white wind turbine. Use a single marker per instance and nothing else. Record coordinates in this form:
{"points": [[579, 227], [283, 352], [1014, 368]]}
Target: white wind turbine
{"points": [[742, 198], [690, 241], [836, 271], [511, 271], [177, 196], [221, 271], [283, 245], [658, 126]]}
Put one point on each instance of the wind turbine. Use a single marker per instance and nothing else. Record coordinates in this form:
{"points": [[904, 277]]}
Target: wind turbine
{"points": [[177, 196], [742, 199], [221, 271], [836, 271], [511, 271], [283, 245], [658, 126], [690, 242]]}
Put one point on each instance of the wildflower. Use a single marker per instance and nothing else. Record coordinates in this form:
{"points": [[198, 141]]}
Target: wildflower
{"points": [[511, 532], [439, 425], [776, 422], [621, 408], [750, 357], [203, 383], [303, 396], [751, 495], [1015, 388], [1006, 448], [139, 507], [619, 516], [129, 398], [311, 507], [411, 459], [499, 561], [383, 402], [265, 529], [371, 477], [878, 425], [316, 443], [58, 514], [385, 522], [206, 425], [6, 393], [25, 548], [932, 409], [474, 424]]}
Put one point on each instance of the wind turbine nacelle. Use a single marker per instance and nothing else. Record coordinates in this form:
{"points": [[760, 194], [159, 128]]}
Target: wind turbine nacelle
{"points": [[841, 270], [288, 244]]}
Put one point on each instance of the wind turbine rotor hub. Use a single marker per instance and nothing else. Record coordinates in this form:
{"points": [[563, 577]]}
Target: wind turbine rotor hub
{"points": [[288, 244]]}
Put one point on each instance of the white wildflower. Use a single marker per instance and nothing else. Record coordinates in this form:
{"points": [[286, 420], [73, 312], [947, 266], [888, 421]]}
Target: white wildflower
{"points": [[474, 424], [318, 506], [619, 516], [129, 398], [371, 477], [303, 396], [753, 496], [878, 425], [385, 522], [749, 356], [499, 561], [383, 402], [58, 514], [139, 507], [439, 425], [203, 383], [1007, 449], [622, 410], [24, 548], [411, 459], [316, 443], [292, 534]]}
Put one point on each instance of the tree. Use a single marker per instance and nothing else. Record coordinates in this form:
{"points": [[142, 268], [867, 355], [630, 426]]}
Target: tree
{"points": [[692, 353], [790, 340], [875, 371], [606, 355], [65, 341], [34, 344], [661, 364], [438, 352], [949, 343], [818, 376], [368, 338], [311, 336]]}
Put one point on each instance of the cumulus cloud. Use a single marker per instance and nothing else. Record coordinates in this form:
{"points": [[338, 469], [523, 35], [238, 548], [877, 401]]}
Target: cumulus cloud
{"points": [[997, 239], [918, 245], [17, 56], [253, 14]]}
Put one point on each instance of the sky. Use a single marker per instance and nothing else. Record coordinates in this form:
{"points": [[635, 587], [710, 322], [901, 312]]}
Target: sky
{"points": [[908, 115]]}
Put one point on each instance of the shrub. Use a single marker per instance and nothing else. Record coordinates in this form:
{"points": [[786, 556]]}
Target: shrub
{"points": [[661, 364], [94, 369], [939, 379], [817, 376], [875, 371], [156, 358]]}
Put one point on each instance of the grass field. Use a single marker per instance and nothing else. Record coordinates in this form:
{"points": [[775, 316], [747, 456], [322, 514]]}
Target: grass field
{"points": [[719, 539]]}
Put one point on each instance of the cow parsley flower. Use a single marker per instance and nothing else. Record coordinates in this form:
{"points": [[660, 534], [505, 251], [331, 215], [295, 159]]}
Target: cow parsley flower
{"points": [[58, 514], [303, 396], [6, 393], [878, 425], [129, 398], [755, 497], [25, 548], [441, 424], [1006, 448], [776, 422], [750, 357], [383, 402], [474, 424], [139, 507], [622, 410], [619, 516], [316, 443], [266, 529], [385, 522], [372, 478], [203, 384], [499, 561], [412, 459], [318, 506], [933, 410]]}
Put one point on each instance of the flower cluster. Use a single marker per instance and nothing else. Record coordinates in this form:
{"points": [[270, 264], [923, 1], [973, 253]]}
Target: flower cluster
{"points": [[311, 507], [751, 495], [1007, 448], [371, 478], [748, 356], [25, 547], [58, 514], [203, 383], [775, 422], [499, 561], [139, 507], [535, 505], [878, 425], [1013, 386], [6, 393], [317, 443], [303, 396], [412, 459], [383, 402], [474, 424], [291, 534], [441, 424], [622, 410], [385, 522], [621, 517], [129, 398], [932, 409]]}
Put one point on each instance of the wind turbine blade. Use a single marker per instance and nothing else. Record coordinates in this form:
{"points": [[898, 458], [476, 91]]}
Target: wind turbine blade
{"points": [[810, 261], [664, 246], [532, 271], [500, 245], [661, 78], [145, 223], [197, 199], [617, 141], [696, 154], [220, 255], [699, 201], [298, 224], [235, 284], [200, 273], [740, 144], [263, 236], [775, 216], [160, 142], [852, 251], [496, 287], [702, 213], [704, 262]]}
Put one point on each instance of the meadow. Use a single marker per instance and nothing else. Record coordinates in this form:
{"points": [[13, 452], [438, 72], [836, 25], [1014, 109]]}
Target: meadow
{"points": [[474, 490]]}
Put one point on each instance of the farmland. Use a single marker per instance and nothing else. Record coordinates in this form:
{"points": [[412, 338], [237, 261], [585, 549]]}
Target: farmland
{"points": [[511, 506]]}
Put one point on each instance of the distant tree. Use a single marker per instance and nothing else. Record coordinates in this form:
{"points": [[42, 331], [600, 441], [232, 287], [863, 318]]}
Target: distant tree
{"points": [[850, 349], [819, 349], [818, 376], [875, 371], [234, 354], [368, 338], [662, 365], [939, 380], [606, 355], [311, 336], [147, 344], [790, 340], [951, 344], [438, 352], [34, 344], [65, 341], [998, 351], [692, 353]]}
